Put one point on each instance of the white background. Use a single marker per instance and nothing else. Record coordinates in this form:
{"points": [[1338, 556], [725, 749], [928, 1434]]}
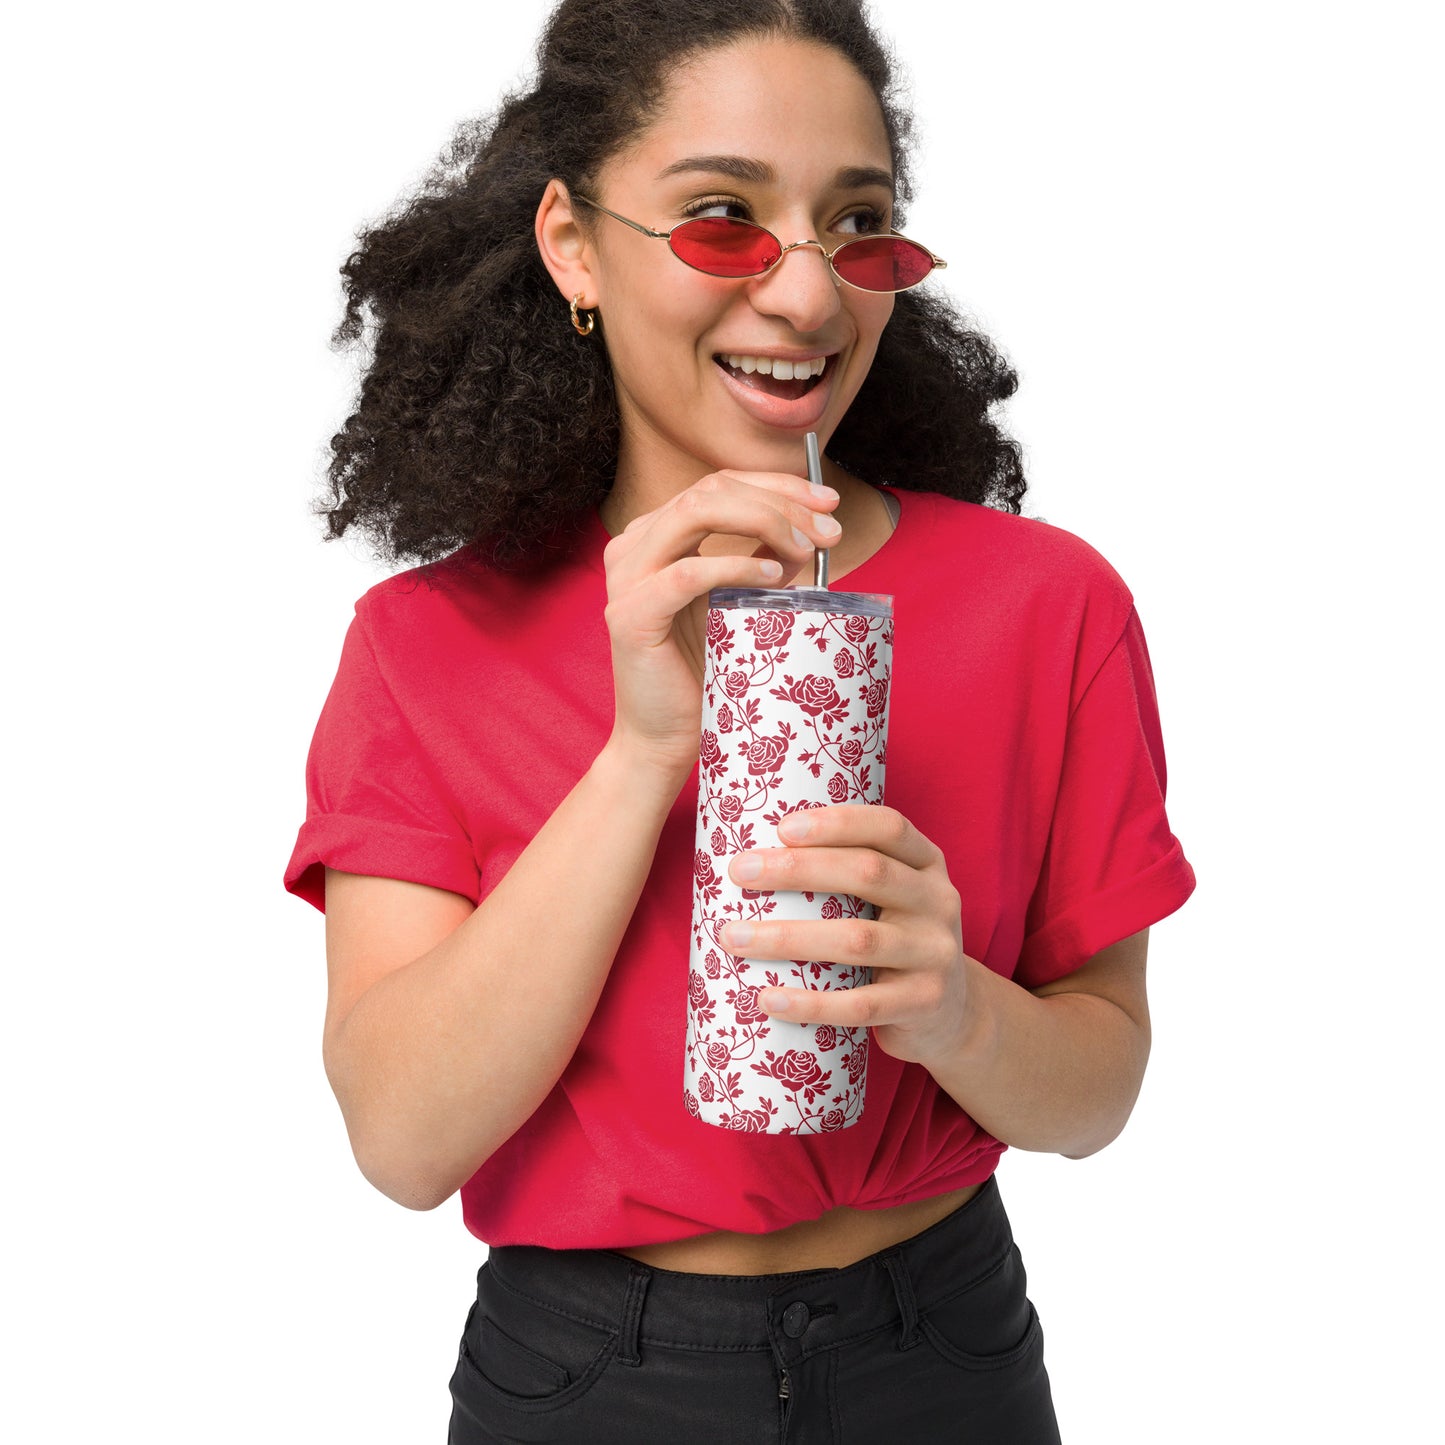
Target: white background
{"points": [[1205, 236]]}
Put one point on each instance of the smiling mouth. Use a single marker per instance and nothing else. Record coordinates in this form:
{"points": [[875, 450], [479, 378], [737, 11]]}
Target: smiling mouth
{"points": [[762, 373]]}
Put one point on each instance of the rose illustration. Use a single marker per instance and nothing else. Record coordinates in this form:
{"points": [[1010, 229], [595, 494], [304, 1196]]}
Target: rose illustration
{"points": [[717, 628], [826, 1037], [772, 629], [724, 719], [766, 755], [702, 870], [719, 841], [831, 907], [850, 753], [736, 684], [692, 1104], [843, 663], [696, 989], [709, 754], [712, 965], [813, 694], [746, 1006], [833, 1120], [876, 696], [704, 1088], [718, 1056], [855, 629], [747, 1121], [730, 808], [837, 788], [798, 1069], [857, 1061]]}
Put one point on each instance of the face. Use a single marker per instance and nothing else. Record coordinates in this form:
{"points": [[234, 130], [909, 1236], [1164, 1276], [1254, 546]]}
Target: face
{"points": [[791, 119]]}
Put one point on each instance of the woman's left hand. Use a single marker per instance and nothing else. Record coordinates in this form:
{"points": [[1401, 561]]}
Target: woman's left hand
{"points": [[918, 1000]]}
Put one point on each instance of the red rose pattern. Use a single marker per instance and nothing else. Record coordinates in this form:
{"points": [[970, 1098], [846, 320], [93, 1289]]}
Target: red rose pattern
{"points": [[815, 695], [709, 754], [745, 1005], [765, 755], [746, 1121], [770, 629], [773, 741]]}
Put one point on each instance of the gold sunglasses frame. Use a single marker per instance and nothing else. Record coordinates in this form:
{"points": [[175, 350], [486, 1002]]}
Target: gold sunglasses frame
{"points": [[939, 264]]}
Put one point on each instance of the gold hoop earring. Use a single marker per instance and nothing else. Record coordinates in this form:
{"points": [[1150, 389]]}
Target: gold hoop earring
{"points": [[577, 325]]}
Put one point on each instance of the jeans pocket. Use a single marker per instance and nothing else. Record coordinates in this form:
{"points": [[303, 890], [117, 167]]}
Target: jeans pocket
{"points": [[517, 1353], [988, 1324]]}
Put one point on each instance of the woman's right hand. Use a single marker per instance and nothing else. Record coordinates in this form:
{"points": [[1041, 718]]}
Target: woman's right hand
{"points": [[657, 586]]}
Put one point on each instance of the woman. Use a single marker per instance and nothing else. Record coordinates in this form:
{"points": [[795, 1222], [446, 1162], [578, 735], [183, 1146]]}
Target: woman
{"points": [[583, 420]]}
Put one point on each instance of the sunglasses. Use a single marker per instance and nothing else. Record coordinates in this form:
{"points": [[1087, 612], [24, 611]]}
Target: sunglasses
{"points": [[727, 246]]}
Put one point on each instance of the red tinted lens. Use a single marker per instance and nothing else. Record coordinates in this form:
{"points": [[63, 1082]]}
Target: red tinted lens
{"points": [[722, 246], [882, 263]]}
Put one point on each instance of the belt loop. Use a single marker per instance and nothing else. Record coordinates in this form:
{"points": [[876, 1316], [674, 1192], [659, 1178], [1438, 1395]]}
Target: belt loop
{"points": [[897, 1269], [638, 1278]]}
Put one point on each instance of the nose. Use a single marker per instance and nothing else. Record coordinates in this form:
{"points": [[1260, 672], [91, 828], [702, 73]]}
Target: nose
{"points": [[801, 289]]}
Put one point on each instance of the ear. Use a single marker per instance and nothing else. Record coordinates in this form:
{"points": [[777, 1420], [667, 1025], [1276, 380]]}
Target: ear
{"points": [[565, 250]]}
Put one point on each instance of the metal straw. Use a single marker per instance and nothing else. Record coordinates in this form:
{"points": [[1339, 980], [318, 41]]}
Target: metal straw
{"points": [[815, 475]]}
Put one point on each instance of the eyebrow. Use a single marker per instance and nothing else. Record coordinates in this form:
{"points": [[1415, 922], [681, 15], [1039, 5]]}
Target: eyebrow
{"points": [[744, 168]]}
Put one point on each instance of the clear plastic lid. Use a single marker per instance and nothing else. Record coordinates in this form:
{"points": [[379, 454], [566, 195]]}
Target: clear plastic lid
{"points": [[802, 599]]}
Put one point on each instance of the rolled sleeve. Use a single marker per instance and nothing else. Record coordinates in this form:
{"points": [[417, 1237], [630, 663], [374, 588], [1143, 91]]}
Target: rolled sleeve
{"points": [[374, 803], [1111, 866]]}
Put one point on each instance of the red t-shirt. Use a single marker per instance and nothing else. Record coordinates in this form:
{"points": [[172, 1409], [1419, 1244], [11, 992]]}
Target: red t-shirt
{"points": [[1024, 741]]}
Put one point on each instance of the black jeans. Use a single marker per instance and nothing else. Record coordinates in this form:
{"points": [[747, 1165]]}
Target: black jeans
{"points": [[930, 1340]]}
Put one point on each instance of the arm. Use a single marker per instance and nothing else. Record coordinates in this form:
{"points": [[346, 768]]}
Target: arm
{"points": [[448, 1025], [1055, 1070], [437, 1063]]}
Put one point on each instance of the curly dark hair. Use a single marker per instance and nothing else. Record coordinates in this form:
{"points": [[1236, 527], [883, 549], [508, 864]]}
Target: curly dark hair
{"points": [[485, 423]]}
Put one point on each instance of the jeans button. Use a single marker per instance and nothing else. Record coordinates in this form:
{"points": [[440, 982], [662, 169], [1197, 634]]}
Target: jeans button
{"points": [[795, 1320]]}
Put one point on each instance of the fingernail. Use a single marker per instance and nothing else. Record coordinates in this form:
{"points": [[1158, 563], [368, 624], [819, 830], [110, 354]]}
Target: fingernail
{"points": [[795, 826], [780, 1004], [745, 867], [738, 935], [828, 526], [771, 569], [819, 490], [802, 538]]}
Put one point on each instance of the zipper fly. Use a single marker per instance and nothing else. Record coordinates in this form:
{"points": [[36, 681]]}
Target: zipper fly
{"points": [[784, 1389]]}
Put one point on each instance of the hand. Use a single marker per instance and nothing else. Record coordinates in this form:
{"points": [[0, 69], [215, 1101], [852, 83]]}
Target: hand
{"points": [[917, 1003], [657, 586]]}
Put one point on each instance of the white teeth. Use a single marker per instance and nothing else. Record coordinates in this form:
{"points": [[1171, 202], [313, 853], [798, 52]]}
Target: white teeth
{"points": [[776, 366]]}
